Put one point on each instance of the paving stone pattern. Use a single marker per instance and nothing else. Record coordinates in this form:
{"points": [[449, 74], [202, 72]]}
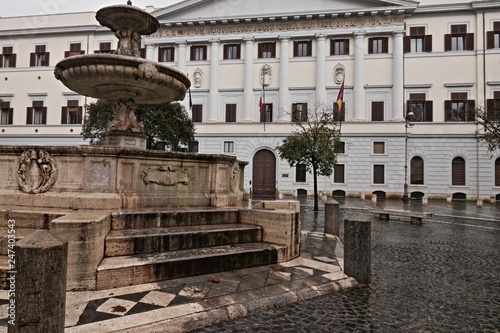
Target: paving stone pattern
{"points": [[441, 276]]}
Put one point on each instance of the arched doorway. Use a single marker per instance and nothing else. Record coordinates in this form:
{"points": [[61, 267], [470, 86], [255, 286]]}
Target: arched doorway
{"points": [[264, 174]]}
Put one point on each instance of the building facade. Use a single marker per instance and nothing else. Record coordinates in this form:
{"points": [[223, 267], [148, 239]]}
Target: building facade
{"points": [[412, 74]]}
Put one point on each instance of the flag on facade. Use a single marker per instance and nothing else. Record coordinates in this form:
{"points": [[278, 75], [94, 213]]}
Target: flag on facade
{"points": [[340, 97], [262, 98], [190, 101]]}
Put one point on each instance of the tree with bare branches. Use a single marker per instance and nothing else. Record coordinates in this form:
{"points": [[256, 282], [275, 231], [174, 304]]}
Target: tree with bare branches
{"points": [[490, 122]]}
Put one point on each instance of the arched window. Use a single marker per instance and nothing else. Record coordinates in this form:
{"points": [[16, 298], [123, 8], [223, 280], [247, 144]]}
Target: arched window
{"points": [[458, 171], [497, 172], [417, 171]]}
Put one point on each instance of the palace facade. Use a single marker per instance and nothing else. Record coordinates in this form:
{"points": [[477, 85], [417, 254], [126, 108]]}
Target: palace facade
{"points": [[412, 73]]}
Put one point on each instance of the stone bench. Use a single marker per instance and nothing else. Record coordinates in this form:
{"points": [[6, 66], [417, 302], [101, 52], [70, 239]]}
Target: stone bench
{"points": [[416, 217]]}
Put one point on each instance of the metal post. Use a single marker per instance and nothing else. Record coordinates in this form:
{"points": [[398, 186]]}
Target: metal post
{"points": [[405, 187]]}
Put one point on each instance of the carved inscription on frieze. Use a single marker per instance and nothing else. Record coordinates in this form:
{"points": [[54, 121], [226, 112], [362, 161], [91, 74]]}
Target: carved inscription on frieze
{"points": [[166, 176], [37, 171]]}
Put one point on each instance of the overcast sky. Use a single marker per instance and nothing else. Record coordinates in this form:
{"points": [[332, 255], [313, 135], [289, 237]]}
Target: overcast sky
{"points": [[41, 7]]}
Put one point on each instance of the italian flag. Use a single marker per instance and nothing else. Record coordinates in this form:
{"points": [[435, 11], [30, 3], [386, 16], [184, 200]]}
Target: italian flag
{"points": [[262, 99], [340, 97]]}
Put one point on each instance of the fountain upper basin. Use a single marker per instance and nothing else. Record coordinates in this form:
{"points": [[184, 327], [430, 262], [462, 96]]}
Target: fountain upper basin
{"points": [[118, 77]]}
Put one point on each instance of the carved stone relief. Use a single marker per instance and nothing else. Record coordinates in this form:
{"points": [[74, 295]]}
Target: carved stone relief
{"points": [[339, 73], [266, 75], [166, 176], [198, 78], [37, 171]]}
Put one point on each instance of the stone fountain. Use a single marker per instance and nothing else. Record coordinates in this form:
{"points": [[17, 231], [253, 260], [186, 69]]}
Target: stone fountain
{"points": [[132, 215]]}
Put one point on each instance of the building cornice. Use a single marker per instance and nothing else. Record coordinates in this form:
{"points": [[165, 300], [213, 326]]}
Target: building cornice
{"points": [[54, 31], [457, 7]]}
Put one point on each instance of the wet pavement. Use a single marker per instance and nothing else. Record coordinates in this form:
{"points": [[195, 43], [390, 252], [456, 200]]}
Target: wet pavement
{"points": [[441, 276]]}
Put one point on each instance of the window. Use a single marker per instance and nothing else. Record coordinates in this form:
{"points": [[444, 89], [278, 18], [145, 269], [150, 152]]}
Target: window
{"points": [[338, 173], [104, 48], [267, 50], [267, 115], [39, 57], [230, 113], [379, 174], [493, 107], [493, 37], [377, 111], [302, 48], [7, 114], [338, 115], [74, 49], [459, 108], [497, 172], [197, 113], [232, 51], [417, 41], [71, 113], [36, 114], [339, 47], [339, 147], [299, 112], [195, 147], [459, 39], [142, 53], [379, 147], [300, 173], [378, 45], [198, 52], [229, 146], [417, 171], [422, 109], [8, 58], [166, 54], [458, 172]]}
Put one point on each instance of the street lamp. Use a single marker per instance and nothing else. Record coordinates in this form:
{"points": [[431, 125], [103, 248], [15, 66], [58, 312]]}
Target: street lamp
{"points": [[408, 118]]}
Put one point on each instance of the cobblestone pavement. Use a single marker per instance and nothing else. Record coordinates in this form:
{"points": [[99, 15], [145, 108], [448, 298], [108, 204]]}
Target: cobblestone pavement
{"points": [[441, 276]]}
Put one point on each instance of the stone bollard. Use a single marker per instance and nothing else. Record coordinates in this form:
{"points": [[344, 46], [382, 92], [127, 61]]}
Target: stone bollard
{"points": [[479, 203], [40, 284], [357, 250], [374, 199], [425, 201], [493, 199], [332, 217], [362, 196]]}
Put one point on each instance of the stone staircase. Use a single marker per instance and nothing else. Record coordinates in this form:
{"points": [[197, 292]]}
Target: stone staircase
{"points": [[153, 246]]}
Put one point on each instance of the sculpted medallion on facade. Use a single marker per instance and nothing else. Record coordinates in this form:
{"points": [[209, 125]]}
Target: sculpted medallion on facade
{"points": [[36, 172], [339, 73], [266, 73], [166, 176], [198, 78]]}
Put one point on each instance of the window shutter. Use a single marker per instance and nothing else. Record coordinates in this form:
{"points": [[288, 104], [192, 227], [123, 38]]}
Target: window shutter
{"points": [[226, 52], [417, 171], [29, 116], [447, 42], [294, 112], [32, 59], [1, 61], [260, 49], [338, 173], [497, 172], [406, 44], [192, 51], [378, 174], [471, 110], [346, 46], [295, 49], [428, 43], [304, 113], [13, 59], [490, 109], [447, 110], [64, 115], [469, 42], [11, 116], [490, 39], [46, 62], [44, 115], [370, 45], [67, 54], [428, 111], [238, 52], [385, 45], [80, 115]]}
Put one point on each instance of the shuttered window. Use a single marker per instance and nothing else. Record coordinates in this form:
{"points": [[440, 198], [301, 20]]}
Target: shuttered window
{"points": [[338, 174], [8, 58], [417, 41], [493, 37], [300, 173], [40, 57], [166, 54], [302, 48], [198, 52], [232, 51], [267, 50], [197, 113], [230, 113], [71, 113], [417, 171], [421, 108], [497, 172], [7, 113], [299, 112], [379, 147], [339, 47], [74, 49], [377, 111], [378, 174], [458, 171], [36, 114], [377, 45], [459, 39]]}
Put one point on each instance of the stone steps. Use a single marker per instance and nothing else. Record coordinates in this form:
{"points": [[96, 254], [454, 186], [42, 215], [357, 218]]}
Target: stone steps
{"points": [[137, 241], [145, 268]]}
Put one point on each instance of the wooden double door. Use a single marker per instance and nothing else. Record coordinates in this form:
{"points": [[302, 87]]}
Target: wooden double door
{"points": [[264, 174]]}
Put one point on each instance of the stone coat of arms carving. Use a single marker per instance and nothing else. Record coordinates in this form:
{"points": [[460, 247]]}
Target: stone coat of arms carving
{"points": [[36, 172], [166, 176]]}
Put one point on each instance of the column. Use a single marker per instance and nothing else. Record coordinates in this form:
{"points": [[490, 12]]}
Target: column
{"points": [[284, 107], [320, 70], [359, 79], [248, 96], [150, 52], [214, 82], [398, 99], [181, 62]]}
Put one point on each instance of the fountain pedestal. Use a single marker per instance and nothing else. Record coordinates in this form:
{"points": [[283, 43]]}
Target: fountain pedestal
{"points": [[124, 139]]}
